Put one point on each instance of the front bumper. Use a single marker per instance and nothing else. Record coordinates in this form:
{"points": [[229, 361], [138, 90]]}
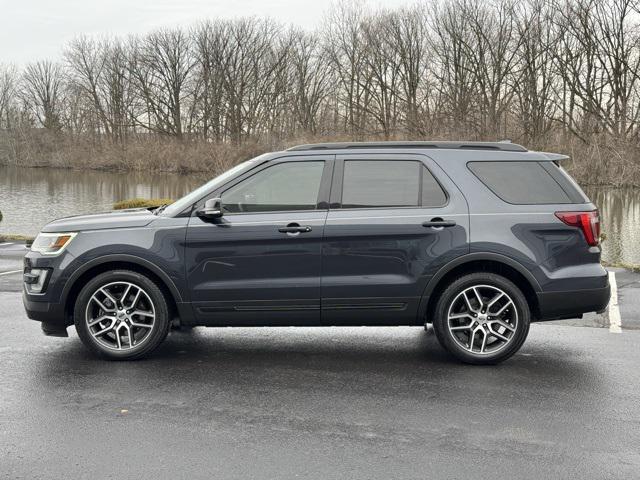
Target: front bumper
{"points": [[47, 307], [572, 304], [43, 311]]}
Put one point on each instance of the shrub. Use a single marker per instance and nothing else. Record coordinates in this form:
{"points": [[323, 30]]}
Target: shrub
{"points": [[141, 203]]}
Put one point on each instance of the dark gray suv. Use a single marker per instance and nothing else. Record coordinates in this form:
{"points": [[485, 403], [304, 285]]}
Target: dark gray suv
{"points": [[479, 239]]}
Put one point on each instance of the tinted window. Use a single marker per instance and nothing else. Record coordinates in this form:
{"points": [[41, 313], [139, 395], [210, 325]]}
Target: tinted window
{"points": [[432, 193], [566, 182], [388, 183], [520, 182], [286, 186]]}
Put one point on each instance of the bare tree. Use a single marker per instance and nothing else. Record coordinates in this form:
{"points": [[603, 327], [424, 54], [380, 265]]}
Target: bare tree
{"points": [[312, 80], [42, 91], [162, 67], [8, 85], [346, 51], [539, 71], [535, 79]]}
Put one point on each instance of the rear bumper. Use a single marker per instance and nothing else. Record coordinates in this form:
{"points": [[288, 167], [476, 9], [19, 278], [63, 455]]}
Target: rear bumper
{"points": [[572, 304]]}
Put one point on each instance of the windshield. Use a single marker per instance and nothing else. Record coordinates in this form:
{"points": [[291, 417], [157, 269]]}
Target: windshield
{"points": [[190, 198]]}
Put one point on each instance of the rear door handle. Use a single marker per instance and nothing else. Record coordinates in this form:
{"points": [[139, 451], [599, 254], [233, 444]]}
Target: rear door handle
{"points": [[439, 223], [294, 228]]}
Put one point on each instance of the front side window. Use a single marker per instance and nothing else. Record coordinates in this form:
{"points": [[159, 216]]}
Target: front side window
{"points": [[389, 183], [282, 187]]}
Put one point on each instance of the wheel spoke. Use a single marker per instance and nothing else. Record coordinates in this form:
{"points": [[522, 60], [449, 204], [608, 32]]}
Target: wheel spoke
{"points": [[479, 298], [123, 297], [130, 335], [462, 327], [497, 335], [135, 299], [93, 322], [494, 300], [466, 299], [106, 329], [484, 341], [109, 296], [143, 314], [117, 331], [472, 338], [102, 305], [141, 325], [505, 325], [503, 308]]}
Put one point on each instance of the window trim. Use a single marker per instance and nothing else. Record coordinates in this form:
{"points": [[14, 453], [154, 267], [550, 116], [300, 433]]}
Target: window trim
{"points": [[335, 202], [537, 162], [322, 203]]}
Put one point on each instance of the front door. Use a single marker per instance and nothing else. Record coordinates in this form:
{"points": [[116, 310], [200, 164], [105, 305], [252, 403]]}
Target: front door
{"points": [[259, 264], [394, 221]]}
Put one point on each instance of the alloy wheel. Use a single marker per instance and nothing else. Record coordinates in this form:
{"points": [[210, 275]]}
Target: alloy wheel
{"points": [[482, 319], [120, 315]]}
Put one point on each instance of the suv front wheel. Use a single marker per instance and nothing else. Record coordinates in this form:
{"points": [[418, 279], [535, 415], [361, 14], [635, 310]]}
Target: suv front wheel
{"points": [[482, 318], [121, 315]]}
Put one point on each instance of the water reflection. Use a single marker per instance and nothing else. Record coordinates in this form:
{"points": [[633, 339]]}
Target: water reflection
{"points": [[620, 216], [31, 197]]}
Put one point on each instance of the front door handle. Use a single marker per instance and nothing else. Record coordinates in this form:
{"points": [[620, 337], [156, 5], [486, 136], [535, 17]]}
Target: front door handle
{"points": [[439, 223], [294, 228]]}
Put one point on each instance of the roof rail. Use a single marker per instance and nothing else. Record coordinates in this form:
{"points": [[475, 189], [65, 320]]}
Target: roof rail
{"points": [[504, 146]]}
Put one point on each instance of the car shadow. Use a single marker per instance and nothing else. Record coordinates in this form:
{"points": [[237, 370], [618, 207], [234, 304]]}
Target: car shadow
{"points": [[397, 360]]}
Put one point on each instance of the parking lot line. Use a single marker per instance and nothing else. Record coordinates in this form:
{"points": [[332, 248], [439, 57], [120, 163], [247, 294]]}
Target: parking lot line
{"points": [[6, 243], [10, 272], [615, 321]]}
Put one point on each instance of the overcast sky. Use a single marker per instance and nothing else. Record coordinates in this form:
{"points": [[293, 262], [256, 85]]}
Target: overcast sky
{"points": [[37, 29]]}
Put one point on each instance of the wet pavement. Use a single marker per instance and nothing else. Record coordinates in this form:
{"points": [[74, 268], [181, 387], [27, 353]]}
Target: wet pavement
{"points": [[319, 403]]}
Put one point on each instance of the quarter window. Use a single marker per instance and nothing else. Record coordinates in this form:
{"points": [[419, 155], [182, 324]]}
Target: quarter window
{"points": [[389, 183], [525, 183], [282, 187]]}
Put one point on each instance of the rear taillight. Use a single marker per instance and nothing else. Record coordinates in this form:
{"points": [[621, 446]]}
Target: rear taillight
{"points": [[588, 222]]}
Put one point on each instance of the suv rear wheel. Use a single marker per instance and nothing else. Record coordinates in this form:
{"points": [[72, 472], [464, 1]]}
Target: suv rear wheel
{"points": [[121, 315], [482, 318]]}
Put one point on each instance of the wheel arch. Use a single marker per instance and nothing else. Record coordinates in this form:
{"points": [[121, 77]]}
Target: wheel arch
{"points": [[80, 277], [479, 262]]}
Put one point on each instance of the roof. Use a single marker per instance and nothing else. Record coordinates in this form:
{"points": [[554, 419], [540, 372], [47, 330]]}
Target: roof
{"points": [[504, 146]]}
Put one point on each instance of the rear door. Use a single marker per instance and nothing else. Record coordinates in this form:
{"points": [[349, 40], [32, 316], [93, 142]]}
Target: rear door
{"points": [[394, 220]]}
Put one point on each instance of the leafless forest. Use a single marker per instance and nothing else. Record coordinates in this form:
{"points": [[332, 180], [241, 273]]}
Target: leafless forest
{"points": [[560, 75]]}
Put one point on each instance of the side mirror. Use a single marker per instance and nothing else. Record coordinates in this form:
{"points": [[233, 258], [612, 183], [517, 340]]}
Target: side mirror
{"points": [[212, 209]]}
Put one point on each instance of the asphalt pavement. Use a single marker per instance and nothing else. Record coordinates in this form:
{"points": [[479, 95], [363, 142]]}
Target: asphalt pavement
{"points": [[343, 403]]}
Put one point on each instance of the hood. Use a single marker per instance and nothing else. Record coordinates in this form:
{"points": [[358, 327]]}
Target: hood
{"points": [[138, 217]]}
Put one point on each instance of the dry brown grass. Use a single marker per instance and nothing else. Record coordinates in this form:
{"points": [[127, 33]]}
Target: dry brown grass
{"points": [[141, 203], [603, 161]]}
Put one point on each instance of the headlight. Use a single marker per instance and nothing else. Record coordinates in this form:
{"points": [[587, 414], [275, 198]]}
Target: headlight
{"points": [[52, 243]]}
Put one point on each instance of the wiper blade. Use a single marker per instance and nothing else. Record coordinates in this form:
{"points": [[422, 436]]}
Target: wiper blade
{"points": [[159, 210]]}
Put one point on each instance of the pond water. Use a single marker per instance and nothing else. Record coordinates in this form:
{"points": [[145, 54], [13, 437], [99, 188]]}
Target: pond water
{"points": [[31, 197]]}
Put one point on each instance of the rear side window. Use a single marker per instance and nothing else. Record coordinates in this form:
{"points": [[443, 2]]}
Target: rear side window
{"points": [[527, 183], [389, 183]]}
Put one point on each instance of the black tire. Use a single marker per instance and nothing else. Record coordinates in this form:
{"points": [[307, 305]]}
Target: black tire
{"points": [[152, 337], [451, 342]]}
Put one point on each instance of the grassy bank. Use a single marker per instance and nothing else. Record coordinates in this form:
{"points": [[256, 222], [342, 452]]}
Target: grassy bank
{"points": [[15, 238], [603, 162]]}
